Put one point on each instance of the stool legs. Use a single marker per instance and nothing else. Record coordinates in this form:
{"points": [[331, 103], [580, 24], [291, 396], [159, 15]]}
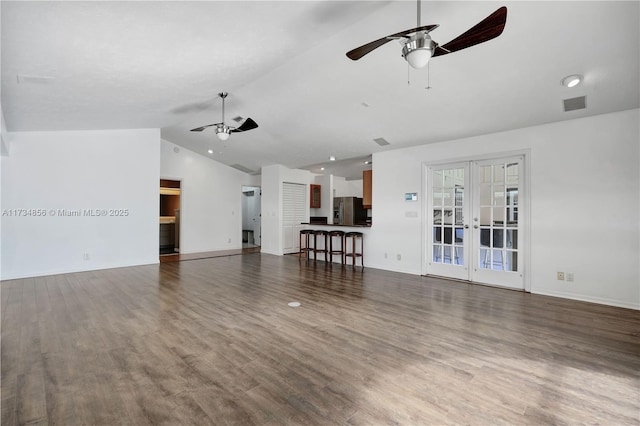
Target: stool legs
{"points": [[332, 251], [317, 249], [305, 241], [355, 254]]}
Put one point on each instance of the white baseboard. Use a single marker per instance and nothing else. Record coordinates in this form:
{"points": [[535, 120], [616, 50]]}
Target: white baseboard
{"points": [[34, 274]]}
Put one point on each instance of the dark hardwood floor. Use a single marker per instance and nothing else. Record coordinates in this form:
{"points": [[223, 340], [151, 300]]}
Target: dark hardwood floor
{"points": [[179, 257], [213, 341]]}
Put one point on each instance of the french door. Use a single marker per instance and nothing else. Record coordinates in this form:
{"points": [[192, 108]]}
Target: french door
{"points": [[475, 221]]}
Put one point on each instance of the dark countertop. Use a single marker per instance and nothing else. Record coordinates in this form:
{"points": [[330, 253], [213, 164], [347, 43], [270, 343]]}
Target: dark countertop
{"points": [[362, 225]]}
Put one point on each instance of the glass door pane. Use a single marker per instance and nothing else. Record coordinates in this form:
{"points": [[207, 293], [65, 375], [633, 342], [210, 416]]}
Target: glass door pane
{"points": [[447, 246], [496, 224]]}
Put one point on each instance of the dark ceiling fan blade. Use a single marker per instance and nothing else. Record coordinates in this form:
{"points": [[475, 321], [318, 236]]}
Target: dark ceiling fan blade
{"points": [[199, 129], [489, 28], [248, 124], [359, 52]]}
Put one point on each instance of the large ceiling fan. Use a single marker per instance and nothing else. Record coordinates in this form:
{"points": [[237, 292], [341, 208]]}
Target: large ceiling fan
{"points": [[222, 130], [418, 47]]}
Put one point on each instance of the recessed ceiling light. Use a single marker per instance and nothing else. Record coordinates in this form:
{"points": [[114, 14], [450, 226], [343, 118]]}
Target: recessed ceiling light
{"points": [[366, 162], [210, 151], [572, 80], [321, 168], [332, 158]]}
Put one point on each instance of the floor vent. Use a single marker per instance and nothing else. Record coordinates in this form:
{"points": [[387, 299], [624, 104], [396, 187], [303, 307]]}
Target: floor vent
{"points": [[575, 103], [381, 141]]}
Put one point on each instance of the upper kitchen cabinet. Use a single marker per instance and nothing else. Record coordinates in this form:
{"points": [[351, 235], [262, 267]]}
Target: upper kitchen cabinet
{"points": [[366, 188], [315, 196]]}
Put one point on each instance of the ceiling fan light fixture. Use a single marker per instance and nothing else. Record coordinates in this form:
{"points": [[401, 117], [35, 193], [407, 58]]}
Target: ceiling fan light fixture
{"points": [[223, 132], [418, 50], [572, 80]]}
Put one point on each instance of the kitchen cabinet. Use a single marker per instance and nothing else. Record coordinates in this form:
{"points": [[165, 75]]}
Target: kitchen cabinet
{"points": [[167, 234], [367, 176], [315, 196]]}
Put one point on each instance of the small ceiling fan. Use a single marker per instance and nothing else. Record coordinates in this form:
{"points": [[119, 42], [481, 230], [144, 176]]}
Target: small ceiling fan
{"points": [[418, 47], [222, 130]]}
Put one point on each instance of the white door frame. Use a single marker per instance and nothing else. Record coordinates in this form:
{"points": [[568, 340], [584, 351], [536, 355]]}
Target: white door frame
{"points": [[257, 221], [181, 218], [524, 211]]}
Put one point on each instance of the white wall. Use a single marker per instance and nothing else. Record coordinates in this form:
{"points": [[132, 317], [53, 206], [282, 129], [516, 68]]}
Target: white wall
{"points": [[326, 200], [585, 204], [5, 138], [272, 224], [111, 169], [4, 150], [347, 188], [211, 199]]}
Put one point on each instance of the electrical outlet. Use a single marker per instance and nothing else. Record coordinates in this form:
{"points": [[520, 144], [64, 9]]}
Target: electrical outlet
{"points": [[569, 276], [399, 256], [385, 255], [85, 256], [229, 240], [560, 276]]}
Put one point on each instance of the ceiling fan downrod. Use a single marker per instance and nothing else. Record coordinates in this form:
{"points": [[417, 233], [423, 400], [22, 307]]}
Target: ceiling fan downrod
{"points": [[223, 131], [223, 95]]}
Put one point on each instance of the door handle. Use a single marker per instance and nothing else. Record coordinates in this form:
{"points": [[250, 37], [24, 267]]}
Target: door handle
{"points": [[466, 226], [475, 226]]}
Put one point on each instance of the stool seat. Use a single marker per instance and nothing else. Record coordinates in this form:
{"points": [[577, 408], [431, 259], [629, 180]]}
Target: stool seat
{"points": [[354, 254]]}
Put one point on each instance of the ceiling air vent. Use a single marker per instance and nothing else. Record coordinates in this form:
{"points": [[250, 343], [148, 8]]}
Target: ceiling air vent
{"points": [[242, 168], [34, 79], [237, 119], [381, 141], [575, 103]]}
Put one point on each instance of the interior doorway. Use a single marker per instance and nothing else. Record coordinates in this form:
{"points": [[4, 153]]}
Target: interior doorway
{"points": [[170, 193], [251, 216]]}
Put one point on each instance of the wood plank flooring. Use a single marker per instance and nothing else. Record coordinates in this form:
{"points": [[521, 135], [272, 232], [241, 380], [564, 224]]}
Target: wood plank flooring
{"points": [[213, 341], [178, 257]]}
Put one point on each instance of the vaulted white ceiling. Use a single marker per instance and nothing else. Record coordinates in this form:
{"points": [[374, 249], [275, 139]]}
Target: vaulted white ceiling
{"points": [[114, 65]]}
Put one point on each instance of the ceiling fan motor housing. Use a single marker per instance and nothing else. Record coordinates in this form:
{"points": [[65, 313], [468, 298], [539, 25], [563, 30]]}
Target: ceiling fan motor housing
{"points": [[418, 49]]}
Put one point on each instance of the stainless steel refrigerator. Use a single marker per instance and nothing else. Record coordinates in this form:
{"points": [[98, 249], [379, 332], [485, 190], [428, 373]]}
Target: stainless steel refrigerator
{"points": [[348, 211]]}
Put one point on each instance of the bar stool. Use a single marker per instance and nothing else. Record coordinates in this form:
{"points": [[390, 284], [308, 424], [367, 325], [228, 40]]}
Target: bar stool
{"points": [[305, 240], [332, 252], [354, 254], [323, 248]]}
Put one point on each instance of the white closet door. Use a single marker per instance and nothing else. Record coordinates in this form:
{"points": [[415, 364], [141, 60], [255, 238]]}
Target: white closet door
{"points": [[294, 206]]}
